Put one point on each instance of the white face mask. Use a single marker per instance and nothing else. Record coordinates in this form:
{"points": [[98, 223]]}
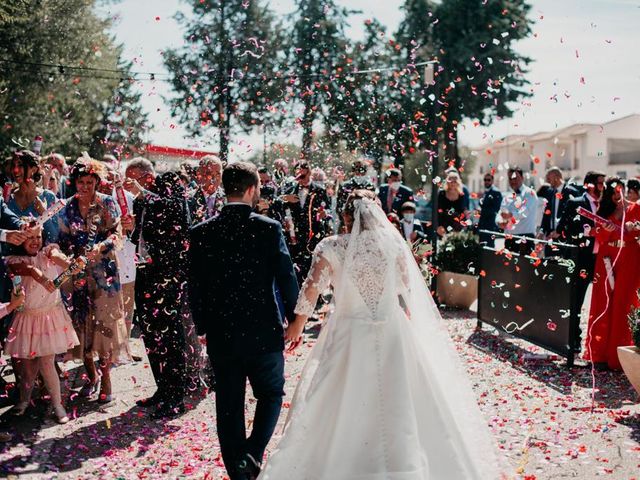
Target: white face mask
{"points": [[408, 216], [395, 186]]}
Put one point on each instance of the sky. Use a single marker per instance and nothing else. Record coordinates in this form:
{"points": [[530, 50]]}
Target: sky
{"points": [[585, 68]]}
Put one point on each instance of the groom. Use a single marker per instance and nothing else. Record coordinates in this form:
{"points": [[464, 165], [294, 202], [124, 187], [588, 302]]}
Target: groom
{"points": [[236, 261]]}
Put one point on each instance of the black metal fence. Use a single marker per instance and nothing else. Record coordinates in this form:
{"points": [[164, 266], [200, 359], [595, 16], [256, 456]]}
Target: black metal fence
{"points": [[531, 298]]}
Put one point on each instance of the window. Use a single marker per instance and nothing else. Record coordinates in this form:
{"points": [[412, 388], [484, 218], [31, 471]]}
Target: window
{"points": [[623, 151]]}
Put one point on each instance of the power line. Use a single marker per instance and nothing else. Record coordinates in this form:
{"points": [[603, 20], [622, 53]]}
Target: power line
{"points": [[69, 70]]}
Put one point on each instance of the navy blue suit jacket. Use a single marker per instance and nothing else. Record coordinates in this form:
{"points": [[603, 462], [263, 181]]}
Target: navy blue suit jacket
{"points": [[236, 260], [404, 194], [489, 208]]}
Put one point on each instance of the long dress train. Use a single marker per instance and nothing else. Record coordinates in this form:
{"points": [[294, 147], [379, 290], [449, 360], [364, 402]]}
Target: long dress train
{"points": [[382, 395]]}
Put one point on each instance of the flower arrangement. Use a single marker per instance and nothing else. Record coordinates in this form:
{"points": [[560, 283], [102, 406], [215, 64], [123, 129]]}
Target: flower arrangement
{"points": [[634, 324], [459, 252]]}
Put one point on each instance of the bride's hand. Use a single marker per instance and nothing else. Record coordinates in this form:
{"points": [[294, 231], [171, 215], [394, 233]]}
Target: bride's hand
{"points": [[293, 334]]}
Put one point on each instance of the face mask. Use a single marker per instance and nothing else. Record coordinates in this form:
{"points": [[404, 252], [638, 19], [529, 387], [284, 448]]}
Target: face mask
{"points": [[408, 216], [394, 186]]}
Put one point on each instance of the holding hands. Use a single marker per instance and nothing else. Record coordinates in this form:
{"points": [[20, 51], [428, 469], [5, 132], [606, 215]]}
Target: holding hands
{"points": [[293, 333]]}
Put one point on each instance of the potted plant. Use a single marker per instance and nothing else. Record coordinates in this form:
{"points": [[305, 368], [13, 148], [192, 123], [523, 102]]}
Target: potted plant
{"points": [[630, 356], [457, 260]]}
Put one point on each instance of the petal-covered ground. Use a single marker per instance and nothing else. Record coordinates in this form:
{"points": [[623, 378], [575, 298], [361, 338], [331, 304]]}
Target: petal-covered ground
{"points": [[539, 411]]}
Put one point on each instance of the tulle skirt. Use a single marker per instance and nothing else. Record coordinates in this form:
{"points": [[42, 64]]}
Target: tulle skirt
{"points": [[40, 332], [368, 407]]}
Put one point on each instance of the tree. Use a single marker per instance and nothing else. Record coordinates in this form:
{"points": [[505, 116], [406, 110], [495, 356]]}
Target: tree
{"points": [[123, 121], [41, 93], [228, 71], [317, 56], [481, 74]]}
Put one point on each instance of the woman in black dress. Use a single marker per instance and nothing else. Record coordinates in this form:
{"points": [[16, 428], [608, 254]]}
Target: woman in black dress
{"points": [[451, 213]]}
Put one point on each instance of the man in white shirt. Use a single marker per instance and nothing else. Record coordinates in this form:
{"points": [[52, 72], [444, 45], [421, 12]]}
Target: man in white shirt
{"points": [[518, 212]]}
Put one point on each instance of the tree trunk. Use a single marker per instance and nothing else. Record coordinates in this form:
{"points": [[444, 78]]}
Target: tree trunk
{"points": [[307, 126], [451, 144]]}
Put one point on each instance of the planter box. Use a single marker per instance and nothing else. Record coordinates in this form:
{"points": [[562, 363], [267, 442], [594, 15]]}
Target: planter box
{"points": [[457, 290], [630, 361]]}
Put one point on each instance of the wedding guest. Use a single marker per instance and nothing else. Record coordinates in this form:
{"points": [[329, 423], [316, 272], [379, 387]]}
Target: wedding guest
{"points": [[633, 190], [616, 280], [281, 172], [58, 163], [489, 208], [160, 232], [393, 194], [90, 226], [412, 229], [465, 190], [29, 200], [127, 254], [309, 206], [43, 328], [577, 230], [517, 215], [452, 216], [557, 193], [358, 181], [319, 176], [208, 198], [265, 178]]}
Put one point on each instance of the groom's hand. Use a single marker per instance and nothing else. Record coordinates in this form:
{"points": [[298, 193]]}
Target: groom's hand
{"points": [[293, 334]]}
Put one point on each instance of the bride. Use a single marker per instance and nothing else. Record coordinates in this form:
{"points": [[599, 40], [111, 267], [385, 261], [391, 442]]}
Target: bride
{"points": [[383, 395]]}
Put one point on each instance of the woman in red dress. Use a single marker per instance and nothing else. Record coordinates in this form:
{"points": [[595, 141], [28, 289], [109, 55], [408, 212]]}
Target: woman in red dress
{"points": [[616, 281]]}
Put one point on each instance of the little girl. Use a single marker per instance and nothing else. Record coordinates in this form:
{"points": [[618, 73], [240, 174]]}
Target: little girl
{"points": [[43, 328]]}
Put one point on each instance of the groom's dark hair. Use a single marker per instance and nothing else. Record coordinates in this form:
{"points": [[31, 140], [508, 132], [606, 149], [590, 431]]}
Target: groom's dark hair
{"points": [[238, 177]]}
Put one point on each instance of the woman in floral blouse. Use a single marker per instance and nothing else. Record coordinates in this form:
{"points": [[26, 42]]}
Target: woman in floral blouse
{"points": [[90, 226]]}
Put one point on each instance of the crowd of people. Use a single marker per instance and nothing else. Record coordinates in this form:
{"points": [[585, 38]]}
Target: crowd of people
{"points": [[595, 224], [90, 246]]}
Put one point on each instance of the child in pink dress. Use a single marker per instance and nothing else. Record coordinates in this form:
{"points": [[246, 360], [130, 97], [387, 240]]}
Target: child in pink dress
{"points": [[43, 328]]}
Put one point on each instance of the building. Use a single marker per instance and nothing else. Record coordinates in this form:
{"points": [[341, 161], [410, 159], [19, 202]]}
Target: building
{"points": [[613, 147], [170, 158]]}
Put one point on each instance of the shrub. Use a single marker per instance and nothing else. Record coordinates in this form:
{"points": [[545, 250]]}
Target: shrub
{"points": [[459, 252]]}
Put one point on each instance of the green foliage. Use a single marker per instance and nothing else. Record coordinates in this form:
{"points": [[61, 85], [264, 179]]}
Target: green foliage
{"points": [[318, 49], [70, 109], [481, 75], [634, 324], [229, 71], [459, 252]]}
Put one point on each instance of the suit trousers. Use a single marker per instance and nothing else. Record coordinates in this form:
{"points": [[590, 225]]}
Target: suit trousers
{"points": [[161, 305], [266, 376], [586, 266]]}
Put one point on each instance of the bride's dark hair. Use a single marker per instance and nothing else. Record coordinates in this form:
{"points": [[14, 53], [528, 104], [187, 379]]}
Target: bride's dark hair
{"points": [[349, 206]]}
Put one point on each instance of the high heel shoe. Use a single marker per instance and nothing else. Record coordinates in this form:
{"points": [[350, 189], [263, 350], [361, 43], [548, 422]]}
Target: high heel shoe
{"points": [[61, 415]]}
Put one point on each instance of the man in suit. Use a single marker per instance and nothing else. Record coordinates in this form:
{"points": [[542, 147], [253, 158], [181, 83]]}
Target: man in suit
{"points": [[160, 232], [394, 194], [307, 206], [236, 261], [207, 199], [489, 208], [557, 193], [358, 181], [576, 230]]}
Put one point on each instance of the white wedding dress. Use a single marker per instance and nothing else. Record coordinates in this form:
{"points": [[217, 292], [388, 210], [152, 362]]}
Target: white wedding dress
{"points": [[383, 395]]}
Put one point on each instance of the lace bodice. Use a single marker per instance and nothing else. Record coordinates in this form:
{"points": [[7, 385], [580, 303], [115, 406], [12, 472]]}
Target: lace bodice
{"points": [[325, 265], [367, 273]]}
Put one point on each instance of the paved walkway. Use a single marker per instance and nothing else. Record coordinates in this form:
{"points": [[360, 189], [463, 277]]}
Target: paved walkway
{"points": [[539, 412]]}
